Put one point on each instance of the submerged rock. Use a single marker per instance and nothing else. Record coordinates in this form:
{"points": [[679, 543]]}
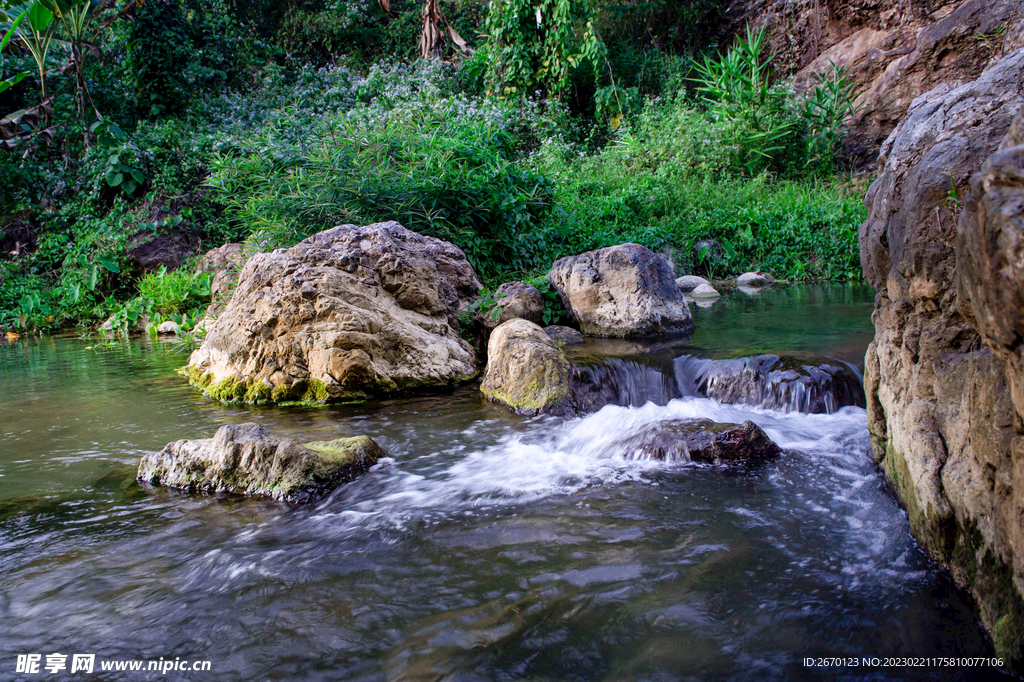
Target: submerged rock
{"points": [[688, 283], [701, 440], [624, 290], [525, 370], [345, 314], [247, 459], [564, 336], [774, 382], [512, 300], [617, 381]]}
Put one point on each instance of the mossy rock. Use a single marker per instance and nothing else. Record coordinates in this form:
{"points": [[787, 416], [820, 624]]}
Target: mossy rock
{"points": [[247, 459]]}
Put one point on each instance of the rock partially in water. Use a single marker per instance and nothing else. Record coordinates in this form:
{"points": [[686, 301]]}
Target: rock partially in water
{"points": [[755, 280], [515, 299], [345, 314], [945, 398], [564, 336], [624, 291], [701, 440], [247, 459], [704, 292], [688, 283], [792, 383], [525, 369], [168, 328]]}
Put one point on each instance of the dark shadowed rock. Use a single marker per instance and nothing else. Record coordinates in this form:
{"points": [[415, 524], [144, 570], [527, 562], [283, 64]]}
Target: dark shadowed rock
{"points": [[563, 336], [778, 383], [167, 247], [701, 440], [247, 459], [624, 290]]}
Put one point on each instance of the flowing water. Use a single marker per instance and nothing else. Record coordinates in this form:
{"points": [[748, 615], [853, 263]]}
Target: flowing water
{"points": [[486, 547]]}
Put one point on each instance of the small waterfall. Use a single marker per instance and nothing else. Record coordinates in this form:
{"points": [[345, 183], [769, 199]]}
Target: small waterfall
{"points": [[615, 381], [788, 384]]}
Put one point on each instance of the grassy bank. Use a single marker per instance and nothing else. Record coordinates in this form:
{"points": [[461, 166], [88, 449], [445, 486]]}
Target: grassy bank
{"points": [[721, 179]]}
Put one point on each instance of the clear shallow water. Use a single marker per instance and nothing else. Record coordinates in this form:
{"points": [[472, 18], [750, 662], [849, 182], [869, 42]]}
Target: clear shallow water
{"points": [[487, 547]]}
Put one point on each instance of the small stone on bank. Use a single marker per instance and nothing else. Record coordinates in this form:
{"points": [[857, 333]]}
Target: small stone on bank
{"points": [[688, 283], [168, 327]]}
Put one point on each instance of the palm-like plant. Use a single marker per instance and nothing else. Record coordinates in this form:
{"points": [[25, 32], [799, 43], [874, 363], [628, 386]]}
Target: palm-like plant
{"points": [[738, 90], [32, 25]]}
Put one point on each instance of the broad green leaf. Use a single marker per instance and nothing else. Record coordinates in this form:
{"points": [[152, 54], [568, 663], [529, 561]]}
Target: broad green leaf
{"points": [[110, 263], [39, 17]]}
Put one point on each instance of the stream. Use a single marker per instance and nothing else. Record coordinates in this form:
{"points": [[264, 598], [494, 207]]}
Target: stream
{"points": [[487, 546]]}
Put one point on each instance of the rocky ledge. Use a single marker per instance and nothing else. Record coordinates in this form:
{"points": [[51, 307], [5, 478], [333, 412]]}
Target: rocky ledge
{"points": [[246, 459], [790, 383], [944, 397]]}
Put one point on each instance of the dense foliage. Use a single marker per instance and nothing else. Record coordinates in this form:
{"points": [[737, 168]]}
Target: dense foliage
{"points": [[585, 124]]}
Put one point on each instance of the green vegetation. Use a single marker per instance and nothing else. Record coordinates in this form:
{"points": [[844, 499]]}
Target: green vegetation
{"points": [[573, 125]]}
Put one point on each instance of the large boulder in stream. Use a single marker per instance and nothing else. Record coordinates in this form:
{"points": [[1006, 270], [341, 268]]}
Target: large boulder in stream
{"points": [[625, 290], [247, 459], [526, 371], [943, 374], [345, 314], [701, 440], [787, 383]]}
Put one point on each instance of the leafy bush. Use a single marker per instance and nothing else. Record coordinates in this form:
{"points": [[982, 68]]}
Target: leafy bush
{"points": [[161, 47], [538, 45], [444, 166], [679, 197], [826, 109], [176, 292], [115, 162]]}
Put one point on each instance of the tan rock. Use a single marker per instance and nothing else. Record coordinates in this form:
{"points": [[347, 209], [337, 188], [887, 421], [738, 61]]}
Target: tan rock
{"points": [[525, 369], [512, 300], [345, 314]]}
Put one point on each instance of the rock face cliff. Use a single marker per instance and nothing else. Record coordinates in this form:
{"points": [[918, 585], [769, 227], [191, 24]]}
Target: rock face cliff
{"points": [[894, 51], [944, 248]]}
